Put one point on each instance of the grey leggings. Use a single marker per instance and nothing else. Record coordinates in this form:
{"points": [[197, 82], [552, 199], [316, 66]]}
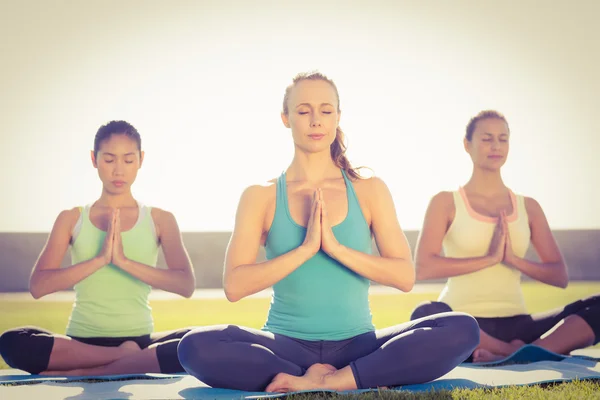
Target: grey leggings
{"points": [[233, 357], [527, 327]]}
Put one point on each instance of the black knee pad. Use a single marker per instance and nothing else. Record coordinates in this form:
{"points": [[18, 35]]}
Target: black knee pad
{"points": [[591, 315], [428, 308], [27, 349], [168, 360]]}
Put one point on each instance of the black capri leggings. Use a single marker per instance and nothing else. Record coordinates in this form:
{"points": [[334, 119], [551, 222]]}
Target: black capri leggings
{"points": [[526, 327], [29, 348]]}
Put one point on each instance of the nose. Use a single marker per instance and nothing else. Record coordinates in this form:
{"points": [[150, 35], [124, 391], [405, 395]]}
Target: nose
{"points": [[119, 168], [315, 120]]}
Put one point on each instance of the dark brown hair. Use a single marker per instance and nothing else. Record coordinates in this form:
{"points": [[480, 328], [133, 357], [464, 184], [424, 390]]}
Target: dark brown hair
{"points": [[116, 128], [486, 114]]}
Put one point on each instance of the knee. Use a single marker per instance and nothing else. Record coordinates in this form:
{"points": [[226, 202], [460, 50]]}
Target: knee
{"points": [[11, 345], [14, 344], [465, 331], [591, 316], [428, 308], [200, 344]]}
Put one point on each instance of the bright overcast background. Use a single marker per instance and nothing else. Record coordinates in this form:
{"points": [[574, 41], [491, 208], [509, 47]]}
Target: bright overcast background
{"points": [[203, 82]]}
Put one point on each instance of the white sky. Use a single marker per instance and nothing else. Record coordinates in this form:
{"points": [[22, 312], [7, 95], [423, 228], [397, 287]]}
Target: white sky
{"points": [[203, 82]]}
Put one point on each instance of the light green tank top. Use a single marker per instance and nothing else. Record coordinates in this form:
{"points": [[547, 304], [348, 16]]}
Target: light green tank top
{"points": [[111, 302]]}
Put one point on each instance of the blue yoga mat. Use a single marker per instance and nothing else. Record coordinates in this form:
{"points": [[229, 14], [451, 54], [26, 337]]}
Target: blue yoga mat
{"points": [[530, 365]]}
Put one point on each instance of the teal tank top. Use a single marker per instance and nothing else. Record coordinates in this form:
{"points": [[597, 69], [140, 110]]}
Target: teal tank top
{"points": [[322, 299], [111, 302]]}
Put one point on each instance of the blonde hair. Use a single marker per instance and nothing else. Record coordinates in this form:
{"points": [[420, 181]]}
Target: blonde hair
{"points": [[338, 147]]}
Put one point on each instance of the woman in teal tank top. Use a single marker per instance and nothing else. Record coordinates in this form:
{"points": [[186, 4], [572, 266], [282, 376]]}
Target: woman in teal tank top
{"points": [[485, 230], [114, 247], [316, 222]]}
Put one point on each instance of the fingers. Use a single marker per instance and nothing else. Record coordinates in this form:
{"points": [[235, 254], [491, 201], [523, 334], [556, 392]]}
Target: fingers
{"points": [[111, 225], [318, 207], [313, 210], [118, 221], [318, 213], [324, 214]]}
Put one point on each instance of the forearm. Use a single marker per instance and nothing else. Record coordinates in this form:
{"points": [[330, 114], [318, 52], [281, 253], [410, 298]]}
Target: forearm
{"points": [[43, 282], [244, 280], [436, 267], [554, 274], [171, 280], [394, 272]]}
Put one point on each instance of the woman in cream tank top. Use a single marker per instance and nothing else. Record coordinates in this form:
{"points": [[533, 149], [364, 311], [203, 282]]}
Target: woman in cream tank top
{"points": [[477, 237]]}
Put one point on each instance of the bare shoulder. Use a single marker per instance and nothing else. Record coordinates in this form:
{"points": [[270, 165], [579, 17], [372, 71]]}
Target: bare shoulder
{"points": [[443, 200], [159, 214], [260, 192], [68, 218], [372, 186], [532, 207]]}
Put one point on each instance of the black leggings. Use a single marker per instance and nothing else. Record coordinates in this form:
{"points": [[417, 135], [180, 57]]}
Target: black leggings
{"points": [[29, 348], [233, 357], [527, 327]]}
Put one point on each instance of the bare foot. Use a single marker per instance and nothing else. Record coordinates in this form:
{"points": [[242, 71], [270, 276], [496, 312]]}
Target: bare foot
{"points": [[516, 344], [127, 348], [483, 355], [313, 378], [72, 372]]}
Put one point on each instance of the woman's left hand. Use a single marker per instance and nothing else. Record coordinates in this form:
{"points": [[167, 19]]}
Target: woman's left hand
{"points": [[329, 244], [509, 255], [118, 257]]}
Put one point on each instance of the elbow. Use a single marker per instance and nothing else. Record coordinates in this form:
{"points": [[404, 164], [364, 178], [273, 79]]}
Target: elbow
{"points": [[563, 285], [232, 293], [36, 291], [406, 280], [422, 273], [563, 281], [406, 285], [187, 286], [188, 291], [190, 287]]}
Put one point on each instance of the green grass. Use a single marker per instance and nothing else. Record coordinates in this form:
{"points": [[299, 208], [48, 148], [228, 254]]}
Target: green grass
{"points": [[387, 310]]}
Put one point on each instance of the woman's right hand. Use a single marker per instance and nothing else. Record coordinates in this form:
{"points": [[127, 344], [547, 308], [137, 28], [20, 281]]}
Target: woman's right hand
{"points": [[106, 252], [312, 241], [498, 243]]}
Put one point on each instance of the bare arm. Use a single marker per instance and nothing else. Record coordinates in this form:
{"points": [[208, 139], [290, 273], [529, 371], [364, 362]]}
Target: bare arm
{"points": [[47, 276], [243, 276], [393, 267], [179, 275], [552, 268], [430, 264]]}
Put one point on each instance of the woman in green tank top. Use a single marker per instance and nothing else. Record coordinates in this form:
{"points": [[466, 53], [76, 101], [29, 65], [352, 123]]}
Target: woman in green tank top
{"points": [[114, 247]]}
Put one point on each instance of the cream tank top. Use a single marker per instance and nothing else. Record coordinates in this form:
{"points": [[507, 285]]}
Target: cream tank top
{"points": [[494, 291]]}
